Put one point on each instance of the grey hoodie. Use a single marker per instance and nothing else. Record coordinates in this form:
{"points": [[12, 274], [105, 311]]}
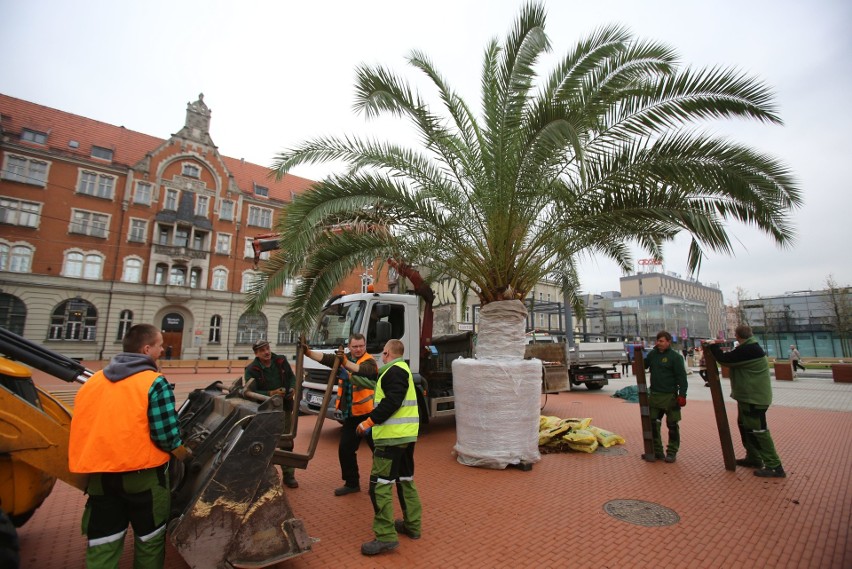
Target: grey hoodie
{"points": [[125, 364]]}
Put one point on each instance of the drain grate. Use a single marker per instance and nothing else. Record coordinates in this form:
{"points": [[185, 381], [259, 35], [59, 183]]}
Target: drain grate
{"points": [[641, 513]]}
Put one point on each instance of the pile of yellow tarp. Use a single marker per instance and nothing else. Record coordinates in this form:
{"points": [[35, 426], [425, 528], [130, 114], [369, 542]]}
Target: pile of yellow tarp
{"points": [[558, 435]]}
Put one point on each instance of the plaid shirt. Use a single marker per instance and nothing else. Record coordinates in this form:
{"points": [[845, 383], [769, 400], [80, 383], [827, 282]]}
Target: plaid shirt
{"points": [[162, 417]]}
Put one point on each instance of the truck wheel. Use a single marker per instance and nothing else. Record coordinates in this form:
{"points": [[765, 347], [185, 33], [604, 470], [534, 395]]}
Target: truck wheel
{"points": [[594, 386], [9, 552]]}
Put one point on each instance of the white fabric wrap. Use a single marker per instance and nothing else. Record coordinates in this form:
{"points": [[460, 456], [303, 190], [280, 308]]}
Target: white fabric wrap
{"points": [[497, 395]]}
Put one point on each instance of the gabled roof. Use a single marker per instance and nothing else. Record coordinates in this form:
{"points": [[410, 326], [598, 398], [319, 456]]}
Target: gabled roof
{"points": [[129, 147]]}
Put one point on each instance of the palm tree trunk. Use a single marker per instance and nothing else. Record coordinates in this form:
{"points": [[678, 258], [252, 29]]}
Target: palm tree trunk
{"points": [[497, 393]]}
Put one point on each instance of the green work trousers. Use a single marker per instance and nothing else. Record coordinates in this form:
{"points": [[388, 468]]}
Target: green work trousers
{"points": [[394, 465], [664, 405], [751, 421], [140, 498]]}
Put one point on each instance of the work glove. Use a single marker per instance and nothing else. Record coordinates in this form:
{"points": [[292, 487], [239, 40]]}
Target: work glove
{"points": [[681, 401], [364, 427], [181, 453]]}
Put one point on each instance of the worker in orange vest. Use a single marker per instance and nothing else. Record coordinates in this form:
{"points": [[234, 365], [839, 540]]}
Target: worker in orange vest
{"points": [[354, 403], [123, 432]]}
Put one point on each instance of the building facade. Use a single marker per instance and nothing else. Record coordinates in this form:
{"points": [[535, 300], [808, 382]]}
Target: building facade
{"points": [[816, 322], [102, 227]]}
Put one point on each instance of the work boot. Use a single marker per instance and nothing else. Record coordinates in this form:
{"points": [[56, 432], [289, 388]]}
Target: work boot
{"points": [[347, 489], [657, 456], [375, 547], [749, 462], [290, 480], [777, 472], [671, 457], [399, 526]]}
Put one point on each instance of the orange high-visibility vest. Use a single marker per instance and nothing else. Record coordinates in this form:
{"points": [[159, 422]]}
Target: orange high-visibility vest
{"points": [[109, 430], [362, 397]]}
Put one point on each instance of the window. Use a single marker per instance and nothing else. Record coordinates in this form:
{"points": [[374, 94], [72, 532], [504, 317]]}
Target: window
{"points": [[286, 334], [125, 321], [132, 272], [102, 153], [260, 217], [13, 313], [177, 276], [220, 279], [215, 335], [201, 205], [199, 240], [194, 277], [261, 191], [165, 235], [251, 327], [181, 237], [74, 319], [171, 202], [160, 274], [226, 211], [290, 287], [248, 251], [191, 170], [89, 223], [15, 258], [95, 184], [138, 230], [249, 278], [143, 194], [80, 265], [17, 212], [25, 170], [223, 243], [35, 136]]}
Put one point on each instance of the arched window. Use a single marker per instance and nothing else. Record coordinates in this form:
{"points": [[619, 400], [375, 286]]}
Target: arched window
{"points": [[132, 272], [160, 273], [286, 335], [177, 276], [215, 336], [13, 313], [249, 277], [80, 265], [74, 319], [125, 321], [250, 328], [220, 279], [15, 258]]}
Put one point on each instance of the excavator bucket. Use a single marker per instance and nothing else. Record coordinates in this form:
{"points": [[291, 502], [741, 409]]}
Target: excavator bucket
{"points": [[228, 502]]}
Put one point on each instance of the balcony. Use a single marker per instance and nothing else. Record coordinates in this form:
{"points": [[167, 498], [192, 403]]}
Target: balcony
{"points": [[180, 254]]}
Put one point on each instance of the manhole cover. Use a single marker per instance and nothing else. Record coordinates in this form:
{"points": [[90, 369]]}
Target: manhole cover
{"points": [[641, 513], [612, 451]]}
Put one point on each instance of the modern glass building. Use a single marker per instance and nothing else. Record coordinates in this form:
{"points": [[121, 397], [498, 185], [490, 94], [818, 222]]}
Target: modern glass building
{"points": [[814, 321]]}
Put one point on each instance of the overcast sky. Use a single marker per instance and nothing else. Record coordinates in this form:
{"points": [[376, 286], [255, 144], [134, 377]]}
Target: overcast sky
{"points": [[279, 72]]}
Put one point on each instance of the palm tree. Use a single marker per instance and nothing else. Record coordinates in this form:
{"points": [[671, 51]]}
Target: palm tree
{"points": [[605, 151]]}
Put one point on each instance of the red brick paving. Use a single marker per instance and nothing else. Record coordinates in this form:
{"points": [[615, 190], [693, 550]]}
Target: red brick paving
{"points": [[553, 516]]}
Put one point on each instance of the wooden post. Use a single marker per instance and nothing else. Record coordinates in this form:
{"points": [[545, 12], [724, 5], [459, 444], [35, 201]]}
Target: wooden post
{"points": [[719, 410], [644, 405]]}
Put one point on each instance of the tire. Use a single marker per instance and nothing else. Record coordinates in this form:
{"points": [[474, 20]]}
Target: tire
{"points": [[9, 549], [594, 386]]}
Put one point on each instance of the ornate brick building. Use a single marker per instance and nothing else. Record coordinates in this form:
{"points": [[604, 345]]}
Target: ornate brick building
{"points": [[102, 227]]}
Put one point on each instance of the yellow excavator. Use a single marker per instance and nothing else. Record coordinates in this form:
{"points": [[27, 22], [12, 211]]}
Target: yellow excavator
{"points": [[229, 507]]}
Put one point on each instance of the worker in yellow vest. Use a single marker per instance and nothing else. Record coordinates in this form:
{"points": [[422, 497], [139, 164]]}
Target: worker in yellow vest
{"points": [[354, 404], [394, 422], [124, 429]]}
